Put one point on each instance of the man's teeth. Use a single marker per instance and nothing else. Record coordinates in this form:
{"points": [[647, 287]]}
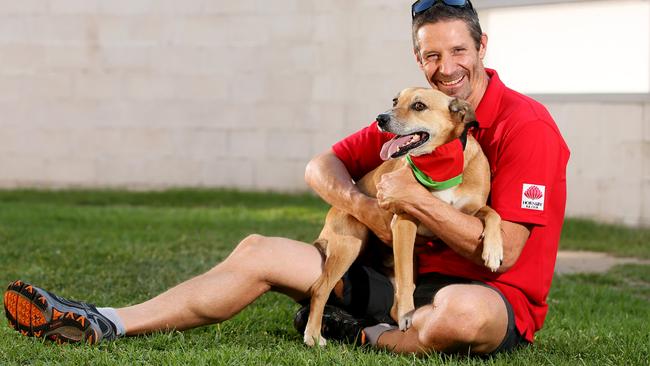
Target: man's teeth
{"points": [[449, 83], [414, 139]]}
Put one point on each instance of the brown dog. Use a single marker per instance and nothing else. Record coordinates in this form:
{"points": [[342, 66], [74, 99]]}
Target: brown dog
{"points": [[422, 119]]}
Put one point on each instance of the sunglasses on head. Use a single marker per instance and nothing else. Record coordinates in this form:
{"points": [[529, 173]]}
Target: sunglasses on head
{"points": [[421, 6]]}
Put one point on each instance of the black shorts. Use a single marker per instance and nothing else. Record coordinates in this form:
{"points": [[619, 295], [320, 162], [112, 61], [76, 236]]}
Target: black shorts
{"points": [[368, 294]]}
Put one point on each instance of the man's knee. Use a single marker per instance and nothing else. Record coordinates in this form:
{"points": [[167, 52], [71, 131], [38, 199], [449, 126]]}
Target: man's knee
{"points": [[250, 249], [455, 321], [251, 243]]}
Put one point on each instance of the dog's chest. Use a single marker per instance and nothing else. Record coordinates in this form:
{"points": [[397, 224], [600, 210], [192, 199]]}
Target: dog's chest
{"points": [[452, 196], [447, 195]]}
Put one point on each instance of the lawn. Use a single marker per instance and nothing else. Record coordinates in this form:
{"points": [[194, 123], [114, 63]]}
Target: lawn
{"points": [[117, 248]]}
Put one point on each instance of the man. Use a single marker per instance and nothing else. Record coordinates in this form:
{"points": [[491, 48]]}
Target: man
{"points": [[461, 305]]}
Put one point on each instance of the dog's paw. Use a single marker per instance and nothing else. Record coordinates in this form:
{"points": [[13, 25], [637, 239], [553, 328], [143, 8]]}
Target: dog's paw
{"points": [[406, 321], [492, 252], [493, 263], [311, 340]]}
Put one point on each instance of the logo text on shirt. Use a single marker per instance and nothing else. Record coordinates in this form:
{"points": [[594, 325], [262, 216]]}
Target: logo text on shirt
{"points": [[532, 197]]}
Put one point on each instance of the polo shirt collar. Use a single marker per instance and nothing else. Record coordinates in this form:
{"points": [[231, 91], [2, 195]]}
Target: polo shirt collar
{"points": [[488, 107]]}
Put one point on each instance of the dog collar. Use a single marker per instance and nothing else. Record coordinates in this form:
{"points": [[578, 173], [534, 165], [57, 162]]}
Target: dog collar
{"points": [[463, 136], [443, 167]]}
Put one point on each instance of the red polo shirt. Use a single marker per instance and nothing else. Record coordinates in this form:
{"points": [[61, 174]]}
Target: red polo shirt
{"points": [[528, 159]]}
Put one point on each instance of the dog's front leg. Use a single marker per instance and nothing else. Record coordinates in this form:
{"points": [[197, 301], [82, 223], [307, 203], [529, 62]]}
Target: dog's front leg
{"points": [[404, 229], [492, 239]]}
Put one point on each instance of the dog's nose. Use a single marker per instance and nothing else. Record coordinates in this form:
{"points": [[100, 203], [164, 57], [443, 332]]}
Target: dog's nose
{"points": [[382, 120]]}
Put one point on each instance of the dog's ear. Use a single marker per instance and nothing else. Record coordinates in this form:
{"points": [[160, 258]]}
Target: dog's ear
{"points": [[461, 111]]}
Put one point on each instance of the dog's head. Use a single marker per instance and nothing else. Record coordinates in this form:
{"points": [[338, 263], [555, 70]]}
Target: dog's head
{"points": [[423, 119]]}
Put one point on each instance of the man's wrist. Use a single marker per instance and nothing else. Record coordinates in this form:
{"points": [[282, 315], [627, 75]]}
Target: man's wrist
{"points": [[417, 206], [360, 203]]}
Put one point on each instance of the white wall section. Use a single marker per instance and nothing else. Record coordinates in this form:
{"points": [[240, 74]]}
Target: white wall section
{"points": [[165, 93]]}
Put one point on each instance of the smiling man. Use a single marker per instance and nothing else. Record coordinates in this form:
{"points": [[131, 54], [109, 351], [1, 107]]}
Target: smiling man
{"points": [[450, 53], [461, 305]]}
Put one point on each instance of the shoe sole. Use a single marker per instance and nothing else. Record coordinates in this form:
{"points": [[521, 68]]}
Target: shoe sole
{"points": [[29, 313]]}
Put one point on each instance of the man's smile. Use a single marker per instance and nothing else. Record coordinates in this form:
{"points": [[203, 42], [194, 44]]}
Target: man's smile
{"points": [[452, 82]]}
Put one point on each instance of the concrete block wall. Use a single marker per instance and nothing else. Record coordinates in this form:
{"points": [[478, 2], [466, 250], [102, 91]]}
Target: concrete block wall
{"points": [[149, 94], [608, 175], [214, 93]]}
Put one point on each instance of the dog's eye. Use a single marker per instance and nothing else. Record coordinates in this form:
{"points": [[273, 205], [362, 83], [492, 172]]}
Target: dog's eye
{"points": [[394, 102], [418, 106]]}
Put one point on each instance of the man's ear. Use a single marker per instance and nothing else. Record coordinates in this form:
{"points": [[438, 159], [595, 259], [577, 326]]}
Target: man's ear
{"points": [[482, 50], [418, 59], [461, 111]]}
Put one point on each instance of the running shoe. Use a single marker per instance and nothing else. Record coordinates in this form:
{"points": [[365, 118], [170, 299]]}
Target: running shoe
{"points": [[35, 312], [337, 325]]}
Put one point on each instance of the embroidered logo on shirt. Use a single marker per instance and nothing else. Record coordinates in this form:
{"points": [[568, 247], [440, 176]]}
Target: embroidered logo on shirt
{"points": [[532, 197]]}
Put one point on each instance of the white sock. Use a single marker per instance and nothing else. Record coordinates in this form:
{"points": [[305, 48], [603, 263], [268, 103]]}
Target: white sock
{"points": [[111, 314], [373, 333]]}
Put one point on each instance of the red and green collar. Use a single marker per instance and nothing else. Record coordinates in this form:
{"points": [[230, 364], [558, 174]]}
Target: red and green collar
{"points": [[443, 167]]}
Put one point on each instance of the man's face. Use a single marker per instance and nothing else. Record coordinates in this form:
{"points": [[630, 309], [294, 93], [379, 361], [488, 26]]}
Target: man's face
{"points": [[450, 60]]}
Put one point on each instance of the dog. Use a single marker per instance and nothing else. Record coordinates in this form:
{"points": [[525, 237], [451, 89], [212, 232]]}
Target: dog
{"points": [[422, 120]]}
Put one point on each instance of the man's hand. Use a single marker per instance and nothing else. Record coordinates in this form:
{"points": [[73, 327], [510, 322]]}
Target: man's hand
{"points": [[396, 188]]}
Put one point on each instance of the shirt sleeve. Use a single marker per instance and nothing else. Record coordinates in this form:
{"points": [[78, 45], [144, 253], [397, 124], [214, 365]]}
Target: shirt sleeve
{"points": [[525, 173], [359, 152]]}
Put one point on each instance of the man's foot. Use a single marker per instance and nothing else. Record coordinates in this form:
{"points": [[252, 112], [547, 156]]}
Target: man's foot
{"points": [[35, 312], [337, 325]]}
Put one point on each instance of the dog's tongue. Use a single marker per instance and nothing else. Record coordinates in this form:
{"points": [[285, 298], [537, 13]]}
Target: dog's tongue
{"points": [[391, 146]]}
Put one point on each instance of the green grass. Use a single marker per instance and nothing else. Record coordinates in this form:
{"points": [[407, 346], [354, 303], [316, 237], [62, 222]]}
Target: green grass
{"points": [[617, 240], [118, 248]]}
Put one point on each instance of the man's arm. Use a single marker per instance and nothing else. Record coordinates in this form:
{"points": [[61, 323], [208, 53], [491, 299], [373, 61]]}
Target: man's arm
{"points": [[398, 191], [328, 177]]}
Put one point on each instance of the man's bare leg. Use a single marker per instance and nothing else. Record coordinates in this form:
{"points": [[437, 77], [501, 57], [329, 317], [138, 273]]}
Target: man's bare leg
{"points": [[257, 265], [462, 318]]}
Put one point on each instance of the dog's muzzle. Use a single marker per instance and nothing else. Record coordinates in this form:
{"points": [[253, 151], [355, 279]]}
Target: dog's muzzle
{"points": [[382, 121]]}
